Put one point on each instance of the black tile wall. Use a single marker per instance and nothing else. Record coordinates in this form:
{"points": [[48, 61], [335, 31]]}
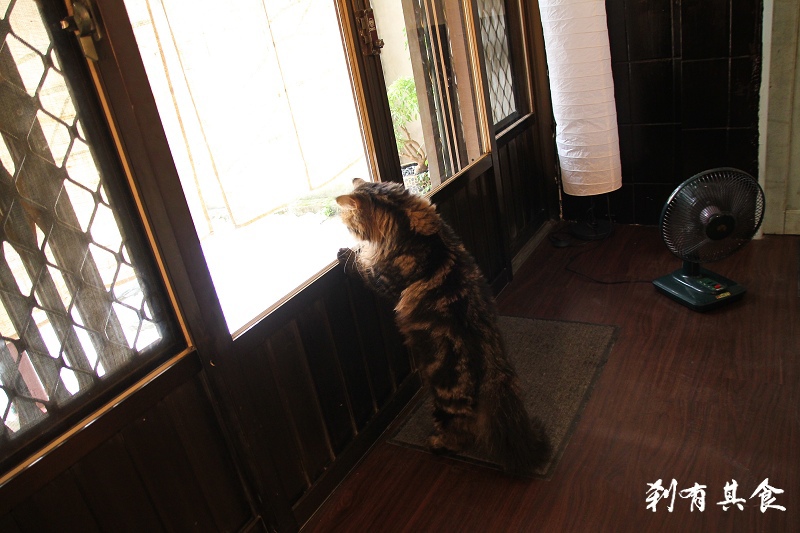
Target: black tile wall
{"points": [[615, 17], [746, 28], [653, 154], [622, 91], [744, 88], [705, 25], [652, 94], [687, 77], [649, 28], [704, 93], [743, 149], [701, 149]]}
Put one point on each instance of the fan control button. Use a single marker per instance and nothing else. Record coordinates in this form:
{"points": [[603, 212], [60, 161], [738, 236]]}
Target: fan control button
{"points": [[711, 284]]}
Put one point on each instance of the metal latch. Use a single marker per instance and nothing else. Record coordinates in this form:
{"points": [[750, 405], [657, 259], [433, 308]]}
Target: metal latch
{"points": [[83, 23], [370, 43]]}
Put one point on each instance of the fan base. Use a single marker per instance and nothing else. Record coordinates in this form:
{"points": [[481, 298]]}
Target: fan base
{"points": [[702, 291]]}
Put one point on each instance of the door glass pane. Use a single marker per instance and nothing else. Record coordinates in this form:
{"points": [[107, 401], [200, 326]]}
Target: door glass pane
{"points": [[256, 101], [431, 85], [80, 304], [494, 35]]}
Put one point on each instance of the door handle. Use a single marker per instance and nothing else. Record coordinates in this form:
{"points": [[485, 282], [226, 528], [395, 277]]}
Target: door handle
{"points": [[83, 22]]}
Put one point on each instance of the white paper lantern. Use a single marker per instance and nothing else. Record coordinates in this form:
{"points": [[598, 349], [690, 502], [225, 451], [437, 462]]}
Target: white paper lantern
{"points": [[582, 89]]}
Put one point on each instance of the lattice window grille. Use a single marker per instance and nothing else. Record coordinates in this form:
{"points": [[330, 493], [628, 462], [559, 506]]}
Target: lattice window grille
{"points": [[494, 33], [72, 308]]}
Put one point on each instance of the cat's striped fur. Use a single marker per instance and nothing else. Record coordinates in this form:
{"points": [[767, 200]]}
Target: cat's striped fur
{"points": [[446, 312]]}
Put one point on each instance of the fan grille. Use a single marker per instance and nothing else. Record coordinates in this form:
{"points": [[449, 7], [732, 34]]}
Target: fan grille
{"points": [[712, 214]]}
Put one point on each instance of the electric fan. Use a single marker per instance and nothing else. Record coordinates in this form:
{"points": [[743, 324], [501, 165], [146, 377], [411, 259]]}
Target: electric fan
{"points": [[707, 218]]}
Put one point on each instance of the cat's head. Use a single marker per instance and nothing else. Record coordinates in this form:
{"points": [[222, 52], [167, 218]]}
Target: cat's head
{"points": [[377, 212]]}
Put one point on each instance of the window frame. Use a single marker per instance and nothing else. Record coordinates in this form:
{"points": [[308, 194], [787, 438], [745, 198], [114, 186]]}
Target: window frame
{"points": [[40, 441], [516, 65]]}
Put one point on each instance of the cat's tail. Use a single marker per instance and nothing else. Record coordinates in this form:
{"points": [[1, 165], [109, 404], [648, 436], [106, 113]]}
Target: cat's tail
{"points": [[515, 439]]}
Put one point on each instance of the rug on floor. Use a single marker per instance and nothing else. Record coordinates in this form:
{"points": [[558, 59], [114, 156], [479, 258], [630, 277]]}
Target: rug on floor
{"points": [[558, 364]]}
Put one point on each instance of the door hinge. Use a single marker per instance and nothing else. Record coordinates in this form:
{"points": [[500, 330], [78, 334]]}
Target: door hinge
{"points": [[83, 22], [367, 31]]}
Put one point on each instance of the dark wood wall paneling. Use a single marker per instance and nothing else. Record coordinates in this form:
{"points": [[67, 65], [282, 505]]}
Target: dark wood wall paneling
{"points": [[522, 182], [168, 470], [313, 378], [525, 164], [469, 204]]}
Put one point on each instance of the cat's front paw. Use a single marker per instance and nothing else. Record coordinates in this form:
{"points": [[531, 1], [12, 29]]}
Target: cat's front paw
{"points": [[438, 444], [347, 259]]}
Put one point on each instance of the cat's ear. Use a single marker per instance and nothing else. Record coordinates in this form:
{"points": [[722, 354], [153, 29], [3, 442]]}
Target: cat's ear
{"points": [[357, 182], [347, 202], [422, 216]]}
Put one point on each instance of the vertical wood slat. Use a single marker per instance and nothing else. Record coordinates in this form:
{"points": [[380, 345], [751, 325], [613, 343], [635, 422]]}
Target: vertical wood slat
{"points": [[59, 506], [523, 185], [114, 491], [182, 459], [165, 472], [468, 205], [170, 466], [266, 432], [497, 237], [312, 375], [476, 207], [466, 217], [517, 178], [299, 400], [516, 217], [310, 390], [323, 362], [447, 210], [511, 191], [493, 237], [191, 414], [9, 525], [344, 330], [365, 312], [507, 192], [399, 358], [528, 178]]}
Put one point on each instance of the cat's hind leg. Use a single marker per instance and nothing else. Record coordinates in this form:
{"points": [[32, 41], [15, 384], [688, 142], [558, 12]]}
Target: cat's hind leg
{"points": [[454, 427]]}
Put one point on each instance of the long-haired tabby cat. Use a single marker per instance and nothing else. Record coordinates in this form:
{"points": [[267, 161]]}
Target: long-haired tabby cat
{"points": [[445, 311]]}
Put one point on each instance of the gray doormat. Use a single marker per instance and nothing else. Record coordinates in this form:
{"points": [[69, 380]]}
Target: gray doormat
{"points": [[558, 364]]}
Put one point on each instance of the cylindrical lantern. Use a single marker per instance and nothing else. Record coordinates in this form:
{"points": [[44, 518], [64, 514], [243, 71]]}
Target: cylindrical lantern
{"points": [[582, 89]]}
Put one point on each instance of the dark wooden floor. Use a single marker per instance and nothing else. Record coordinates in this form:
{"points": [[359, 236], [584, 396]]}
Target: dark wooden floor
{"points": [[699, 398]]}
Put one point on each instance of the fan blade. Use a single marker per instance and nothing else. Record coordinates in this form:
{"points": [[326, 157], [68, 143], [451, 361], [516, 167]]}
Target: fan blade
{"points": [[712, 214]]}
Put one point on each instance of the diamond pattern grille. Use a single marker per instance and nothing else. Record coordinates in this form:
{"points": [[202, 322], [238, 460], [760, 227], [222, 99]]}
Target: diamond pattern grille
{"points": [[494, 34], [72, 309]]}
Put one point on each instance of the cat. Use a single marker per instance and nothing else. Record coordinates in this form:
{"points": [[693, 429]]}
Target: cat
{"points": [[446, 313]]}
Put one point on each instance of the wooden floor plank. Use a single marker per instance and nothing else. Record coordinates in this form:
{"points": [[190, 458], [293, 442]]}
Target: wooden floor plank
{"points": [[699, 398]]}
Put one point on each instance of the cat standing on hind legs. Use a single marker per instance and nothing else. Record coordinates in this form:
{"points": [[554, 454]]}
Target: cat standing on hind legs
{"points": [[445, 311]]}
